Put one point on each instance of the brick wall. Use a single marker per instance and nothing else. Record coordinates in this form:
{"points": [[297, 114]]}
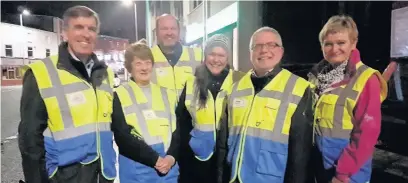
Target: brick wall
{"points": [[11, 82]]}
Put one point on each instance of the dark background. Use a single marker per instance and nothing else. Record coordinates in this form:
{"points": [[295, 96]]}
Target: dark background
{"points": [[299, 24]]}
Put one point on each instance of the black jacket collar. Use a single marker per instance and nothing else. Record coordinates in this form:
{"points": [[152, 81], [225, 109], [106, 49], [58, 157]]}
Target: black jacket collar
{"points": [[68, 63], [65, 59]]}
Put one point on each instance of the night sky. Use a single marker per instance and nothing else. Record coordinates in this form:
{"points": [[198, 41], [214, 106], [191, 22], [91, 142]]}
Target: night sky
{"points": [[116, 19]]}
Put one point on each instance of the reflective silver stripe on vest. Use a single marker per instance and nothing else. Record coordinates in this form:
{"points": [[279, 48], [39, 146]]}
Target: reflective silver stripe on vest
{"points": [[285, 97], [47, 132], [59, 91], [189, 97], [171, 118], [80, 130], [222, 94], [347, 92], [106, 87], [260, 133], [138, 108], [77, 131]]}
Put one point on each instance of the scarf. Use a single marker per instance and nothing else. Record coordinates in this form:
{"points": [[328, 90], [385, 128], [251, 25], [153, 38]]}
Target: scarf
{"points": [[329, 75]]}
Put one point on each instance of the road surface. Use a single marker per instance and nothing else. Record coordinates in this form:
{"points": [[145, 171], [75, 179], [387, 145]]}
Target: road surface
{"points": [[388, 167]]}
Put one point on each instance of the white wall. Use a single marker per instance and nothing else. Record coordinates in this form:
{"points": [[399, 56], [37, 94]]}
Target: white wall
{"points": [[22, 37], [196, 15]]}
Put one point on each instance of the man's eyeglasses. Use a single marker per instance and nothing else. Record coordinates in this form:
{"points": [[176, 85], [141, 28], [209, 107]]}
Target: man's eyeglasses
{"points": [[269, 46]]}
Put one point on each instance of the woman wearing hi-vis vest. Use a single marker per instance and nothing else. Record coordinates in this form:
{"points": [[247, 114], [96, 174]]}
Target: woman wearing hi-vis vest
{"points": [[148, 110], [199, 112], [347, 106]]}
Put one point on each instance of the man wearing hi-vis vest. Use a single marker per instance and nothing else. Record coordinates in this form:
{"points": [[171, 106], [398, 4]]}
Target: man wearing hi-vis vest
{"points": [[347, 114], [174, 63], [67, 110], [269, 118]]}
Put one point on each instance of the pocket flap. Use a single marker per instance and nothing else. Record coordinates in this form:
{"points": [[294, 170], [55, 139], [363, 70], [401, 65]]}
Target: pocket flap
{"points": [[329, 99]]}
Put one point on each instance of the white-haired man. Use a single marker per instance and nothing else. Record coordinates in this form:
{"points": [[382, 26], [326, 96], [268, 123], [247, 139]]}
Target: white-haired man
{"points": [[269, 122]]}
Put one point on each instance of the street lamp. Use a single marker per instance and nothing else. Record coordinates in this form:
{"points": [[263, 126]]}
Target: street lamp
{"points": [[129, 3], [24, 12]]}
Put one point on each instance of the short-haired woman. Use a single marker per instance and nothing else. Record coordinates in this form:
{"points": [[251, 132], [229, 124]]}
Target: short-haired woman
{"points": [[347, 113], [149, 111]]}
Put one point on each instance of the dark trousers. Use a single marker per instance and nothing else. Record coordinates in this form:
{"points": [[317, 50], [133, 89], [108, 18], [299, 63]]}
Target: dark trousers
{"points": [[78, 173], [193, 170], [321, 175]]}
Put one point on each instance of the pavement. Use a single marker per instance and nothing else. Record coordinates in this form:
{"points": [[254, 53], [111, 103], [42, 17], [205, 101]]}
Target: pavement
{"points": [[389, 166], [11, 171]]}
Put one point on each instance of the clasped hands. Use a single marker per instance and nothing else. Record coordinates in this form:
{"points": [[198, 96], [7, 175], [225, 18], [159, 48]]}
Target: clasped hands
{"points": [[163, 165]]}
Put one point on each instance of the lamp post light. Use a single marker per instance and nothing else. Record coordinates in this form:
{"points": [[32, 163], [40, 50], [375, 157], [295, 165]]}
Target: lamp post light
{"points": [[24, 12], [128, 3]]}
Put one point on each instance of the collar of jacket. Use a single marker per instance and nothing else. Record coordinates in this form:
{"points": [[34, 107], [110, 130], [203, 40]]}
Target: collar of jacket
{"points": [[350, 71], [65, 60], [270, 75], [178, 50]]}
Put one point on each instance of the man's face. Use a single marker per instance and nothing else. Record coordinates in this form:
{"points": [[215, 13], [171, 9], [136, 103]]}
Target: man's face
{"points": [[266, 51], [81, 35], [167, 31]]}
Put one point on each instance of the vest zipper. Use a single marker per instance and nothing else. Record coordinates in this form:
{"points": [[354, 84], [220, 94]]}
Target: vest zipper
{"points": [[242, 140], [174, 79]]}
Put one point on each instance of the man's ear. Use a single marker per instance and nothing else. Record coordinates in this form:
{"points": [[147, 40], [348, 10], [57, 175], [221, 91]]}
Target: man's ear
{"points": [[64, 35]]}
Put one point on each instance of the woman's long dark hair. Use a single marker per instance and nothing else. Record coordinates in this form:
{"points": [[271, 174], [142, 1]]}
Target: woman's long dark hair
{"points": [[201, 82]]}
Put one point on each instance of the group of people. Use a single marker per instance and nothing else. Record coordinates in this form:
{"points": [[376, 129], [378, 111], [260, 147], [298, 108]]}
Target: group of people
{"points": [[186, 116]]}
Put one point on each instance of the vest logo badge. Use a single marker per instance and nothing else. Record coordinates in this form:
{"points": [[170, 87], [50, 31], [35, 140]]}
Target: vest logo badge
{"points": [[239, 103], [258, 123], [76, 98], [149, 114]]}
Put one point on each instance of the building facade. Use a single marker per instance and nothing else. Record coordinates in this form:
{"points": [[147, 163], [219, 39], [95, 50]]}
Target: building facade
{"points": [[22, 45]]}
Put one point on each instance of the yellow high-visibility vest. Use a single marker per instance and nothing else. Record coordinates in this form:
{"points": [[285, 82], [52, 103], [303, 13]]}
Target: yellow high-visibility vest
{"points": [[153, 119], [206, 120], [259, 127], [175, 77], [333, 117], [79, 118]]}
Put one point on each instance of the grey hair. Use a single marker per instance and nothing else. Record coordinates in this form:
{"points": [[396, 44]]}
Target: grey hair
{"points": [[266, 29], [80, 11]]}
